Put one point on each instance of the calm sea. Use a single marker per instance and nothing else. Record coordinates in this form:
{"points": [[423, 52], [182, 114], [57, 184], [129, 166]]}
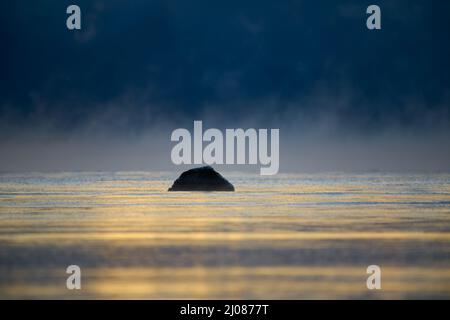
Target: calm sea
{"points": [[284, 237]]}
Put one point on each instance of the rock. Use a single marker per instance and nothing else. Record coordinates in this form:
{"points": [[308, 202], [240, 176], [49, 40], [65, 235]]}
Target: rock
{"points": [[201, 179]]}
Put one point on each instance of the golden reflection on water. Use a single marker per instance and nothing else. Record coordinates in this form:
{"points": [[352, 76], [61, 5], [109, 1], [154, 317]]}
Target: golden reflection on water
{"points": [[293, 237], [238, 282]]}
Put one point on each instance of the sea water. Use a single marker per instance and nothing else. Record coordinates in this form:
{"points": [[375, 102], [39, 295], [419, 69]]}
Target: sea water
{"points": [[303, 236]]}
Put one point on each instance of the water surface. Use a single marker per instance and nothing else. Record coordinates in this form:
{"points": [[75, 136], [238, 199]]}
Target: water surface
{"points": [[284, 237]]}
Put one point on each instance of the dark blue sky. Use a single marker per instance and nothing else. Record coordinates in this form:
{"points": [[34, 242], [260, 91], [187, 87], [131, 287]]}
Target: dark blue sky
{"points": [[138, 63]]}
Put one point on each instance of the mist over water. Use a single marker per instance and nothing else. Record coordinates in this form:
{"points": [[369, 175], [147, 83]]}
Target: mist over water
{"points": [[306, 145]]}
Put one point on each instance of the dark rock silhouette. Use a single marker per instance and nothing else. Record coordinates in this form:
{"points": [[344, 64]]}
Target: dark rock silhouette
{"points": [[201, 179]]}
